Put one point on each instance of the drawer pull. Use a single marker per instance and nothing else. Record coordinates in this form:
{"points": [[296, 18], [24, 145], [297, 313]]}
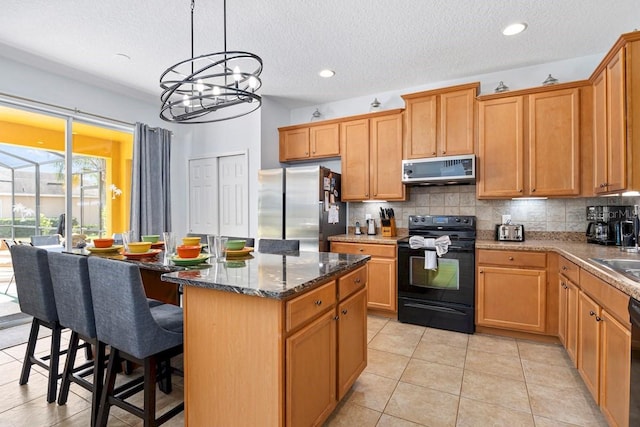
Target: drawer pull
{"points": [[357, 280], [591, 313], [564, 268], [344, 311], [361, 250], [510, 258], [318, 302], [335, 318]]}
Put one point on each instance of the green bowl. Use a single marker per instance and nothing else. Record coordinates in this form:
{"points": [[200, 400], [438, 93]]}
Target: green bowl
{"points": [[235, 245], [153, 238]]}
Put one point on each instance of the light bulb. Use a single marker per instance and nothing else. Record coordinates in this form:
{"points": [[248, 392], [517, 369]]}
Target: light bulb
{"points": [[200, 86], [236, 73], [253, 82], [216, 90]]}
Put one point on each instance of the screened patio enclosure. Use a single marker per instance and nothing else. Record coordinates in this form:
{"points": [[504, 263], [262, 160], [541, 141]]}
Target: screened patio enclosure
{"points": [[32, 193]]}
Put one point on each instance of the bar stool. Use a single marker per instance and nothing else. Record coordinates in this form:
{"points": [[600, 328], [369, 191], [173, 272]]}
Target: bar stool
{"points": [[36, 298], [135, 332], [71, 288]]}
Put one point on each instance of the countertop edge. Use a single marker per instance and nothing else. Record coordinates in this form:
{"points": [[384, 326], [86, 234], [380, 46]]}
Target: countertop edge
{"points": [[365, 238], [568, 250]]}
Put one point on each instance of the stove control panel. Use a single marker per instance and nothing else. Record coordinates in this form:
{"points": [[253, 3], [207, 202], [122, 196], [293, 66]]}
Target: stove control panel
{"points": [[437, 221]]}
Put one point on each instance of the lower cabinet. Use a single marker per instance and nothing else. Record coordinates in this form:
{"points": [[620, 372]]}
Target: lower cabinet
{"points": [[352, 340], [511, 290], [604, 349], [568, 318], [382, 279]]}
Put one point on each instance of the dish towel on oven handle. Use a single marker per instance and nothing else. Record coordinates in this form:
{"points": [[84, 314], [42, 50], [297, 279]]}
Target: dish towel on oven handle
{"points": [[439, 247]]}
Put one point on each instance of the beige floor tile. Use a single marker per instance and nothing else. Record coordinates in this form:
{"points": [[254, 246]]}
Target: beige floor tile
{"points": [[473, 413], [493, 344], [164, 402], [404, 345], [550, 354], [495, 364], [5, 358], [444, 354], [423, 405], [10, 372], [547, 422], [14, 394], [402, 329], [557, 404], [83, 419], [433, 375], [386, 364], [440, 336], [371, 391], [496, 390], [38, 412], [389, 421], [350, 415], [551, 375], [376, 323]]}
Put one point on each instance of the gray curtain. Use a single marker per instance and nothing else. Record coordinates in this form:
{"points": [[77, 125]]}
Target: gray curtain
{"points": [[150, 189]]}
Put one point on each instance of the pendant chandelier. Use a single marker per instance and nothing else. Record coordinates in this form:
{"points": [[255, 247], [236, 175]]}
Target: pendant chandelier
{"points": [[212, 87]]}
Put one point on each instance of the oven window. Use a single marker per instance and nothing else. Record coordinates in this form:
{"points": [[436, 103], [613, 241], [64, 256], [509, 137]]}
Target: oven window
{"points": [[447, 276]]}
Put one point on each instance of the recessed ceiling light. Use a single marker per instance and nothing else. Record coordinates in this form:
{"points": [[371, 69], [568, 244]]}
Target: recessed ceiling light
{"points": [[514, 29], [326, 73]]}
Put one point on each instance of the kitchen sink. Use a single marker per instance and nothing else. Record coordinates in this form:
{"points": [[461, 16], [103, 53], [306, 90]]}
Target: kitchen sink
{"points": [[627, 267]]}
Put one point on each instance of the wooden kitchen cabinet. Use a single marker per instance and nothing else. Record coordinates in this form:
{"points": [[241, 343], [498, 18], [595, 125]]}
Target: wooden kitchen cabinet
{"points": [[512, 290], [529, 144], [382, 294], [309, 142], [440, 122], [568, 279], [352, 340], [371, 151], [589, 343], [615, 370]]}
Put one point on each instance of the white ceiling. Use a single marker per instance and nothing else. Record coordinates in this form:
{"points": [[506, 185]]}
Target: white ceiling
{"points": [[373, 45]]}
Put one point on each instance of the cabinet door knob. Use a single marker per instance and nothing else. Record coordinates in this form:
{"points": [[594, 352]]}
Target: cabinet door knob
{"points": [[318, 302], [591, 313], [564, 268], [306, 153], [481, 271], [357, 280], [533, 190], [598, 318], [510, 258], [433, 153], [361, 250], [335, 318], [444, 152], [520, 190], [344, 311]]}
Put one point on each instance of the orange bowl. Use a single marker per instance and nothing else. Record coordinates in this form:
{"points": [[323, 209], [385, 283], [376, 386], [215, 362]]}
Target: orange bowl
{"points": [[139, 247], [191, 241], [107, 242], [185, 251]]}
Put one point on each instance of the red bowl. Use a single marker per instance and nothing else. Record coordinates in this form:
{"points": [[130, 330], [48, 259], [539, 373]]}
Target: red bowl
{"points": [[185, 251], [103, 243]]}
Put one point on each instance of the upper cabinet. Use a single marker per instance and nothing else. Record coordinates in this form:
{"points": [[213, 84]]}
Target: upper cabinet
{"points": [[309, 142], [616, 119], [440, 122], [371, 151], [529, 142]]}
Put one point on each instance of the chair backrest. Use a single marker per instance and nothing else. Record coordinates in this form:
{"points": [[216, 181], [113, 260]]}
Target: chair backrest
{"points": [[9, 242], [123, 317], [278, 246], [71, 288], [33, 282], [250, 241], [53, 239]]}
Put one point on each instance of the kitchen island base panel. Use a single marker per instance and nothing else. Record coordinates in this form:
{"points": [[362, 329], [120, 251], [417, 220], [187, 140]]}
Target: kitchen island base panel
{"points": [[235, 341]]}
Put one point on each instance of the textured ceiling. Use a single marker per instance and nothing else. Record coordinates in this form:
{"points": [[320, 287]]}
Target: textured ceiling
{"points": [[374, 46]]}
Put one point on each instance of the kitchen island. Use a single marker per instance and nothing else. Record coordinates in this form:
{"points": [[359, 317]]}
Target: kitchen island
{"points": [[272, 340]]}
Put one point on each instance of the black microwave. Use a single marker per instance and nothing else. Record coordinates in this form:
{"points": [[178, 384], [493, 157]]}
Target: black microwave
{"points": [[440, 170]]}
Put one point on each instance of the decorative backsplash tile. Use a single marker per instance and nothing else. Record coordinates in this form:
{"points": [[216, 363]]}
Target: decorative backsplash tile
{"points": [[542, 215]]}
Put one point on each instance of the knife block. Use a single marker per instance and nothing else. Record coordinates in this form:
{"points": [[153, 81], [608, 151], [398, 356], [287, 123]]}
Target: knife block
{"points": [[389, 227]]}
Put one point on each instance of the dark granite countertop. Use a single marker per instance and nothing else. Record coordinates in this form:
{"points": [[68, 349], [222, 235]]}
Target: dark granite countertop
{"points": [[267, 275], [580, 254]]}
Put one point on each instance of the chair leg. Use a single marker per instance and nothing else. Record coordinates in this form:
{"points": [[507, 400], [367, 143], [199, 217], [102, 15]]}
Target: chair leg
{"points": [[109, 384], [68, 368], [98, 381], [54, 362], [28, 356], [164, 382], [150, 372]]}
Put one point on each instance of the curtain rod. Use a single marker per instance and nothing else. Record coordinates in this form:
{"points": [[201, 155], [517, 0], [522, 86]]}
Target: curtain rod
{"points": [[72, 110]]}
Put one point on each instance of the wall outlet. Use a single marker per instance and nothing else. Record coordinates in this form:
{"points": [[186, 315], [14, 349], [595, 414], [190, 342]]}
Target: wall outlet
{"points": [[506, 219]]}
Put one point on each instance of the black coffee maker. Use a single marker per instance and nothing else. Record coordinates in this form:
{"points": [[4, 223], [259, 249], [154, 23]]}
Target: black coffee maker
{"points": [[608, 225]]}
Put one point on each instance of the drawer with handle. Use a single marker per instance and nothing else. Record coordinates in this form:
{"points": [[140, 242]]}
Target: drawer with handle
{"points": [[513, 258], [351, 282], [300, 310]]}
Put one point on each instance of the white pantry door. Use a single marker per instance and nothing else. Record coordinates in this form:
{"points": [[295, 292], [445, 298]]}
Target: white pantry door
{"points": [[218, 195]]}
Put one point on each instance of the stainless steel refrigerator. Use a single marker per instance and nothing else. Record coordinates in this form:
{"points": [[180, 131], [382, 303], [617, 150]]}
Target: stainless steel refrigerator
{"points": [[301, 203]]}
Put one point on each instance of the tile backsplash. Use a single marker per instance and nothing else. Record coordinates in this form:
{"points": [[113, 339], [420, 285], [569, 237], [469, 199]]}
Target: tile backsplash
{"points": [[565, 215]]}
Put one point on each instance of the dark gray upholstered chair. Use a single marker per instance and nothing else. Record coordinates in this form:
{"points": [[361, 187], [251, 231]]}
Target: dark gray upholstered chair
{"points": [[70, 280], [135, 332], [280, 247], [250, 241], [36, 298], [49, 240]]}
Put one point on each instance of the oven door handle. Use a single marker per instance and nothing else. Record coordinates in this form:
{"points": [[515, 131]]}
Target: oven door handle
{"points": [[433, 307]]}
